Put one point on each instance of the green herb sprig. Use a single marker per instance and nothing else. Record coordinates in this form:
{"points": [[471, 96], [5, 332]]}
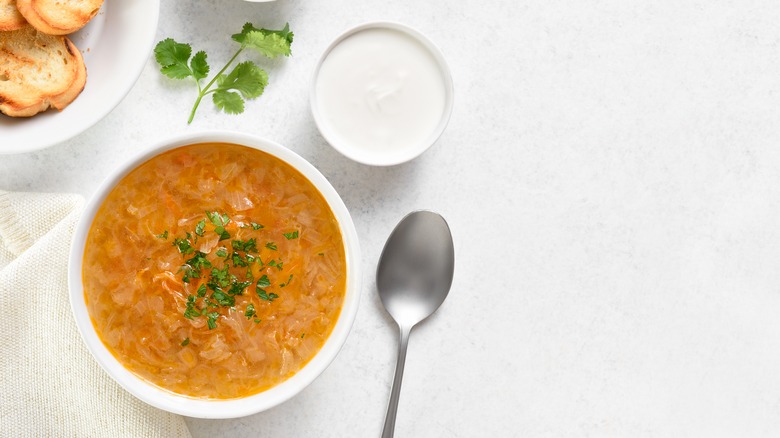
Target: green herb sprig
{"points": [[245, 81]]}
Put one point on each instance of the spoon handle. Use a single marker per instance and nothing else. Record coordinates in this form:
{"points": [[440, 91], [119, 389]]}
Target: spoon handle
{"points": [[392, 408]]}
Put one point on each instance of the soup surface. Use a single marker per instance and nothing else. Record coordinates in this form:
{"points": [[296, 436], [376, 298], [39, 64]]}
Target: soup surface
{"points": [[214, 271]]}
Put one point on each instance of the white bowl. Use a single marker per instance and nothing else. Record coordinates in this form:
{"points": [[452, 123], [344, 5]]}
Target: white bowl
{"points": [[384, 158], [203, 408]]}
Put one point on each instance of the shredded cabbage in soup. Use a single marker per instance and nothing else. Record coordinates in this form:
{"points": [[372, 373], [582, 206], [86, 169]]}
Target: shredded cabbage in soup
{"points": [[214, 271]]}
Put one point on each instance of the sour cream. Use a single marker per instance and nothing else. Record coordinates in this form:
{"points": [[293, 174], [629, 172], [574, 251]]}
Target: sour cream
{"points": [[382, 94]]}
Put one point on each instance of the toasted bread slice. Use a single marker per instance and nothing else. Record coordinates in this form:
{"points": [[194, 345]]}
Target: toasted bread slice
{"points": [[10, 18], [38, 71], [58, 17]]}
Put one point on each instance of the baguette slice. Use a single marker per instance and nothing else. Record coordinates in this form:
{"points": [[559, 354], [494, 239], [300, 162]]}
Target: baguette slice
{"points": [[58, 17], [10, 18], [38, 71]]}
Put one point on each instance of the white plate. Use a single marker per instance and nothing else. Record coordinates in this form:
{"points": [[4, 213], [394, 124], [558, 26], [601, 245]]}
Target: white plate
{"points": [[116, 45]]}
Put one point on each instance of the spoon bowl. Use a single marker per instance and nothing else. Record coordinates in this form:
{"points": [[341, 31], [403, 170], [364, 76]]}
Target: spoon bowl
{"points": [[413, 278]]}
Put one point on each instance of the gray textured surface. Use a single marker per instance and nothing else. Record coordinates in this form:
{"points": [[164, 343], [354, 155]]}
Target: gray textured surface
{"points": [[611, 176]]}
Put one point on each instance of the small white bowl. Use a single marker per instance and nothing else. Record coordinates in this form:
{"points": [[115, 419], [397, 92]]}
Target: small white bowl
{"points": [[367, 156], [203, 408]]}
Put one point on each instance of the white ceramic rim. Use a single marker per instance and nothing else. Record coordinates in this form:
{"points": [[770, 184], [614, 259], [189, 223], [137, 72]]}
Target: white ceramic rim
{"points": [[368, 157], [214, 409], [124, 44]]}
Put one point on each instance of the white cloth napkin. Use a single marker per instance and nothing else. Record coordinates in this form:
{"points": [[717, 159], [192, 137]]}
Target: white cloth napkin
{"points": [[49, 383]]}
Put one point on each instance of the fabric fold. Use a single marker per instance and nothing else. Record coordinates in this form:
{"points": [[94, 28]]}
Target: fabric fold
{"points": [[51, 385]]}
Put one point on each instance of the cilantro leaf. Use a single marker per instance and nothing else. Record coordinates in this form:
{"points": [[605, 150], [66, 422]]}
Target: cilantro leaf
{"points": [[268, 44], [293, 235], [246, 78], [173, 57], [246, 81], [163, 236], [185, 342], [228, 101], [279, 43], [199, 66]]}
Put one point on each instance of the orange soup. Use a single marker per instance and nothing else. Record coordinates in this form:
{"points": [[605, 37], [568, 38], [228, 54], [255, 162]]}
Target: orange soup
{"points": [[214, 271]]}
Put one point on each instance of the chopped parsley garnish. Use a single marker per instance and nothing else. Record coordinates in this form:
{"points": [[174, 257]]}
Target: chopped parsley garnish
{"points": [[212, 320], [238, 260], [185, 342], [302, 335], [191, 312], [163, 236], [219, 220], [199, 229], [263, 282], [223, 284], [238, 287], [189, 273], [223, 234], [184, 245], [223, 299], [266, 296], [245, 245], [219, 277], [199, 261]]}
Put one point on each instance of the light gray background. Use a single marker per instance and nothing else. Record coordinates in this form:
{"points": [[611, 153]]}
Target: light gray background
{"points": [[611, 174]]}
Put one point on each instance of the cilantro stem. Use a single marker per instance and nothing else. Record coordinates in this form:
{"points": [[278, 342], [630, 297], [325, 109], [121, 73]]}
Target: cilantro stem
{"points": [[195, 107], [205, 90]]}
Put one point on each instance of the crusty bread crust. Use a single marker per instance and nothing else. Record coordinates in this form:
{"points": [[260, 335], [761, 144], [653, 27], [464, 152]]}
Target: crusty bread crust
{"points": [[38, 71], [58, 17], [10, 18]]}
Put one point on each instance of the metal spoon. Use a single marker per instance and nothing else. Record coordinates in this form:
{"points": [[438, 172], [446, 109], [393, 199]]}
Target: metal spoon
{"points": [[413, 278]]}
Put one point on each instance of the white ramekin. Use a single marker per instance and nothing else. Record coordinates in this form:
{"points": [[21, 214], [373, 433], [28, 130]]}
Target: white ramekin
{"points": [[367, 156]]}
